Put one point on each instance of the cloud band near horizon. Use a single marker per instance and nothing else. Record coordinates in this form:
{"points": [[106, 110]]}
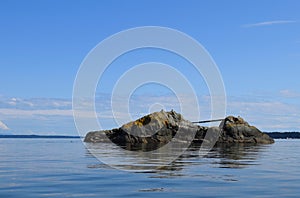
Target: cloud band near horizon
{"points": [[279, 112]]}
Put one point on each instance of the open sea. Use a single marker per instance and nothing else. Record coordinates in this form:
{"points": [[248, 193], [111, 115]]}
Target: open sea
{"points": [[65, 168]]}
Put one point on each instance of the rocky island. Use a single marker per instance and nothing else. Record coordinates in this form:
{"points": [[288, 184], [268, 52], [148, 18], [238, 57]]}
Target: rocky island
{"points": [[162, 127]]}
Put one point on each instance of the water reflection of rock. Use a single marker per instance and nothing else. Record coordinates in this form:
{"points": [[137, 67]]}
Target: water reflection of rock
{"points": [[236, 155], [221, 156]]}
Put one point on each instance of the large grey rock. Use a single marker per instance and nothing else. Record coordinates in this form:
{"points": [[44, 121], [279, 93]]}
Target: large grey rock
{"points": [[158, 127], [162, 127]]}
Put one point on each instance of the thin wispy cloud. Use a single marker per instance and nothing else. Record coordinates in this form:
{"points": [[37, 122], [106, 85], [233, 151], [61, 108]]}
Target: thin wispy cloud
{"points": [[268, 23], [3, 126]]}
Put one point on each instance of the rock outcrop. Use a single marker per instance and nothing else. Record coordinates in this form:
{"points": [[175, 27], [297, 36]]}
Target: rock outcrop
{"points": [[158, 127], [162, 127], [236, 129]]}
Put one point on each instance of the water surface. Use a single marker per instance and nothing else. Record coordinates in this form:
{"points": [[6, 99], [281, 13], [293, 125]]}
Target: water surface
{"points": [[65, 168]]}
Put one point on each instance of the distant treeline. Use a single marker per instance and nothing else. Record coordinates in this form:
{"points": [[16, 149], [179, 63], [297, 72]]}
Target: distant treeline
{"points": [[38, 136], [284, 135]]}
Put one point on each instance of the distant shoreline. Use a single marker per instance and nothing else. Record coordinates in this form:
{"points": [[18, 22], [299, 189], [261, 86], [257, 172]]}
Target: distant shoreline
{"points": [[40, 136], [274, 135], [284, 135]]}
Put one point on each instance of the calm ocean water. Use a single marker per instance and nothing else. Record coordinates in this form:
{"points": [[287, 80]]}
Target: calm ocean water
{"points": [[65, 168]]}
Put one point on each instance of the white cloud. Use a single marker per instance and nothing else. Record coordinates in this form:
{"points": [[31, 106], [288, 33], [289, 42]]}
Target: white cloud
{"points": [[268, 115], [22, 112], [289, 93], [35, 103], [268, 23], [3, 126], [41, 114]]}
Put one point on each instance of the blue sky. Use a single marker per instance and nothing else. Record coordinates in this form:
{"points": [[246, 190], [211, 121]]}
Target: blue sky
{"points": [[256, 45]]}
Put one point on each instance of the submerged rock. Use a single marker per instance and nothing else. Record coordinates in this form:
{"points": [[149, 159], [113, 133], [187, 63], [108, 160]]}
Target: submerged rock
{"points": [[162, 127]]}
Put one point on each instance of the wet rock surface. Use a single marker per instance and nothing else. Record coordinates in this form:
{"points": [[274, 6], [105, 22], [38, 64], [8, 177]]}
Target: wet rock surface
{"points": [[162, 127]]}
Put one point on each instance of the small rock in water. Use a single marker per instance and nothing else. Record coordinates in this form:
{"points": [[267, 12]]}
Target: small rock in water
{"points": [[152, 190]]}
